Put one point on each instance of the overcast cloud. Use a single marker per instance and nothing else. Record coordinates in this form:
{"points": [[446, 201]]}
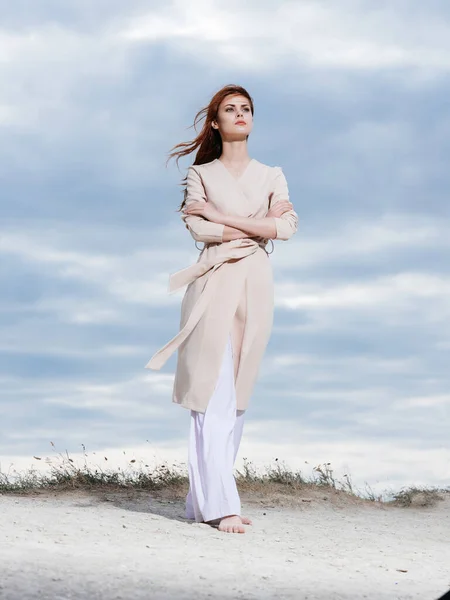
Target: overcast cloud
{"points": [[350, 99]]}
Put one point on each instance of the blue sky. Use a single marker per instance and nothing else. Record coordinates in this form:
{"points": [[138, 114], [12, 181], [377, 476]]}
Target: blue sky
{"points": [[351, 100]]}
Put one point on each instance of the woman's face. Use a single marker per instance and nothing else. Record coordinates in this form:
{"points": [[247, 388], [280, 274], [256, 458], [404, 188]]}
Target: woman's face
{"points": [[234, 118]]}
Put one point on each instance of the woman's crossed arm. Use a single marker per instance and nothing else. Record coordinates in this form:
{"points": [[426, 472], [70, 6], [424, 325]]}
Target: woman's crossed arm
{"points": [[240, 227]]}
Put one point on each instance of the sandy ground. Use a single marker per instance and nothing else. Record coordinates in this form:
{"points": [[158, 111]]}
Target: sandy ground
{"points": [[128, 545]]}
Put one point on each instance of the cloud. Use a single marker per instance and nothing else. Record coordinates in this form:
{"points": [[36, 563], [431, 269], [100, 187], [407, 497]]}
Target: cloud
{"points": [[350, 101], [314, 34], [374, 241], [401, 292], [95, 408], [129, 278]]}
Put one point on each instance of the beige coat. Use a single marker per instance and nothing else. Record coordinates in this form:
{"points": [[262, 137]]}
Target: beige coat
{"points": [[229, 288]]}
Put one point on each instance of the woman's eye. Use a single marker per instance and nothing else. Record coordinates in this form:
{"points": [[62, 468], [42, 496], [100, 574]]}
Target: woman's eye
{"points": [[247, 109]]}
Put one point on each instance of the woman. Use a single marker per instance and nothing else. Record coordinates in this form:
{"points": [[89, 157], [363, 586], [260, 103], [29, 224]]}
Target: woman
{"points": [[234, 205]]}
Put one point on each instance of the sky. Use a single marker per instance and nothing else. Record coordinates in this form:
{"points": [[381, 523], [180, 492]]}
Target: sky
{"points": [[351, 100]]}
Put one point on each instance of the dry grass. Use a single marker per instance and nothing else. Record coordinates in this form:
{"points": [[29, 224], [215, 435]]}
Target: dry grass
{"points": [[277, 485]]}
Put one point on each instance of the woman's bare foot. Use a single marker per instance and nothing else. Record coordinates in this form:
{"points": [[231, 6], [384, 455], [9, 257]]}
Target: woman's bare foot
{"points": [[246, 521], [229, 524]]}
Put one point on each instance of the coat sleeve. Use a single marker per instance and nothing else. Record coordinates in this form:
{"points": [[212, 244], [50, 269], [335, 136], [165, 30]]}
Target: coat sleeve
{"points": [[288, 222], [201, 229]]}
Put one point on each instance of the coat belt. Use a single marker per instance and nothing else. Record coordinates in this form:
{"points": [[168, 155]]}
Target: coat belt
{"points": [[233, 250]]}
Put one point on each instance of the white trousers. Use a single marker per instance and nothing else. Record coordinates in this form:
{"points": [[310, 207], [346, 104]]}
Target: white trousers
{"points": [[214, 440]]}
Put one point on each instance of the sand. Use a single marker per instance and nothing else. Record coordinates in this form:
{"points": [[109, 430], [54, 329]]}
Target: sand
{"points": [[129, 545]]}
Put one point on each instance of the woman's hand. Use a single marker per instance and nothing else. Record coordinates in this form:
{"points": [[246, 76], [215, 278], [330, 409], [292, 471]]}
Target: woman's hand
{"points": [[205, 210], [279, 208]]}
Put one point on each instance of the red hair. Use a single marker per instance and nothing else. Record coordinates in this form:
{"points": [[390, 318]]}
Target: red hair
{"points": [[208, 141]]}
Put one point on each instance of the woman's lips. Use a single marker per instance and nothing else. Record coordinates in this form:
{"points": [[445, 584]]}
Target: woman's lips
{"points": [[240, 123]]}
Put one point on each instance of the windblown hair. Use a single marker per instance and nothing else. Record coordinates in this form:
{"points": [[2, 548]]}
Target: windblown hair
{"points": [[208, 141]]}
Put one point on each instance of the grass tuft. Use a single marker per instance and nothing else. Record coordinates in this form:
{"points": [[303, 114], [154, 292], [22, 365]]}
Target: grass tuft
{"points": [[414, 496], [276, 482]]}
